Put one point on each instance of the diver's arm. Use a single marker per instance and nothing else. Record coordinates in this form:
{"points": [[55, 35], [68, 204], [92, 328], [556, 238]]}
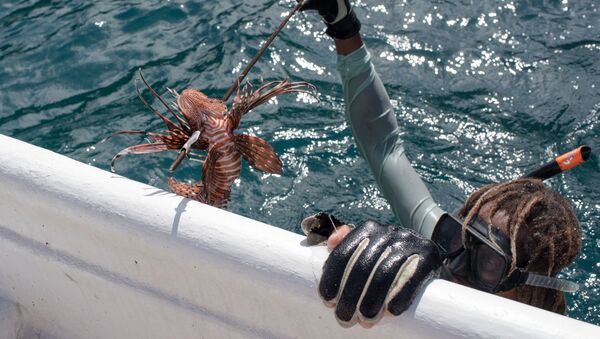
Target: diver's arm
{"points": [[375, 268], [377, 137]]}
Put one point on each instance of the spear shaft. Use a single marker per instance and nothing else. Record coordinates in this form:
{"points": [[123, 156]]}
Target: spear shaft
{"points": [[261, 51]]}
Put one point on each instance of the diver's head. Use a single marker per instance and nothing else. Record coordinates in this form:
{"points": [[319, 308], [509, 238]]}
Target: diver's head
{"points": [[541, 228]]}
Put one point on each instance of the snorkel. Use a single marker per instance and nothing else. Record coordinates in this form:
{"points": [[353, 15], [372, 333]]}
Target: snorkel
{"points": [[467, 258], [561, 163]]}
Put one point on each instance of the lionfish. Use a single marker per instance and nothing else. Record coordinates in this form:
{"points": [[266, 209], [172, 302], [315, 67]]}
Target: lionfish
{"points": [[212, 124]]}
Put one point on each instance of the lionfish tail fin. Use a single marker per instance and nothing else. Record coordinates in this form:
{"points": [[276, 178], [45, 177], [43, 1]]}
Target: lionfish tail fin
{"points": [[194, 191], [259, 153]]}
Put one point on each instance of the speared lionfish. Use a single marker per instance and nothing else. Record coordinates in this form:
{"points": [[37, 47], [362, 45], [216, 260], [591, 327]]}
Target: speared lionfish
{"points": [[215, 124]]}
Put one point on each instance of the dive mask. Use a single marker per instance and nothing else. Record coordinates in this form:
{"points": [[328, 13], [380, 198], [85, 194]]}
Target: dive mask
{"points": [[484, 260]]}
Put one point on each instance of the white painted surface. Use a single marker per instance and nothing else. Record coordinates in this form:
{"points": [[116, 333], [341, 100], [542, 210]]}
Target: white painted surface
{"points": [[10, 319], [89, 254]]}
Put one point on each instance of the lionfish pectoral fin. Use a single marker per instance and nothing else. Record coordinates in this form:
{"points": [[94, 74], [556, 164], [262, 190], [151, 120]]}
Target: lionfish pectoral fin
{"points": [[194, 191], [259, 153], [138, 149]]}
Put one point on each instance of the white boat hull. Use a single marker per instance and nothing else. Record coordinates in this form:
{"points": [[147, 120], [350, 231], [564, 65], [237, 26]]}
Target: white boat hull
{"points": [[85, 253]]}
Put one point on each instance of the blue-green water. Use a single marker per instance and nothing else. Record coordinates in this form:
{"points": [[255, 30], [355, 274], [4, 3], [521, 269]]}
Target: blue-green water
{"points": [[485, 91]]}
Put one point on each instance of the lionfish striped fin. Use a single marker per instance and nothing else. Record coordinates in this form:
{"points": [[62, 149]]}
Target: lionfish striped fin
{"points": [[259, 153], [249, 98], [182, 123]]}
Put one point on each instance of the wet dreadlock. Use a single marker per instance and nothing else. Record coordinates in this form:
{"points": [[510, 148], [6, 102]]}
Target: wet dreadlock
{"points": [[543, 229]]}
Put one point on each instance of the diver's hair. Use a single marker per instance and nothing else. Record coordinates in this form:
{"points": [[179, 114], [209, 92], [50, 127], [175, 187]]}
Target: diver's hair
{"points": [[543, 229]]}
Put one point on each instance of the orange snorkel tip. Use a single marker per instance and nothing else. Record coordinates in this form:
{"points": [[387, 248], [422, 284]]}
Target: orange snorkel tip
{"points": [[562, 163]]}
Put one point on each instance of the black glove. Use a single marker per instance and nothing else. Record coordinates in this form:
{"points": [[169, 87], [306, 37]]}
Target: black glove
{"points": [[387, 264], [338, 15]]}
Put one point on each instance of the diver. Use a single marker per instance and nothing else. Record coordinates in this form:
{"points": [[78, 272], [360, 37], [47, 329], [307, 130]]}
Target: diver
{"points": [[510, 239]]}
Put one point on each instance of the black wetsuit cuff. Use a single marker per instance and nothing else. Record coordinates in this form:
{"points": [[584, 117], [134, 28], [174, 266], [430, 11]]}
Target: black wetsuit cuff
{"points": [[345, 28]]}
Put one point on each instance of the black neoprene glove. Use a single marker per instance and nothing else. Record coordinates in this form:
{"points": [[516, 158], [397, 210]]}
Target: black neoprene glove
{"points": [[376, 268], [338, 15]]}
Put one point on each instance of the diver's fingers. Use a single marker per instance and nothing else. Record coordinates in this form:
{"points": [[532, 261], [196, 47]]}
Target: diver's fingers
{"points": [[341, 259], [358, 278], [411, 277], [374, 269], [388, 272], [366, 324], [336, 237]]}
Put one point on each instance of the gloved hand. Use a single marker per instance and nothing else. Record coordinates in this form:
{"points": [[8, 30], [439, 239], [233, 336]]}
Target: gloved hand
{"points": [[338, 15], [376, 268]]}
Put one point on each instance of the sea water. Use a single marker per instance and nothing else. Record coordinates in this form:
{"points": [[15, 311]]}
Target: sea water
{"points": [[484, 91]]}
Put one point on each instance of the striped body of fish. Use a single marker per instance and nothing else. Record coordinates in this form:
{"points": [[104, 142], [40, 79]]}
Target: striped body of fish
{"points": [[216, 123]]}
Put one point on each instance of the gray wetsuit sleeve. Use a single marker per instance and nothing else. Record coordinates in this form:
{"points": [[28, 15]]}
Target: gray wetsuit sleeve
{"points": [[375, 130]]}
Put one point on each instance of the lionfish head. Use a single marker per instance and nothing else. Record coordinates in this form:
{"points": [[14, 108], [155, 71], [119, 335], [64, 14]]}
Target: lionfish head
{"points": [[193, 104]]}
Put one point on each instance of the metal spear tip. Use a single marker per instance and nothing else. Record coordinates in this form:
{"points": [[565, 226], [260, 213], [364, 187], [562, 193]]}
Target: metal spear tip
{"points": [[177, 161], [185, 150]]}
